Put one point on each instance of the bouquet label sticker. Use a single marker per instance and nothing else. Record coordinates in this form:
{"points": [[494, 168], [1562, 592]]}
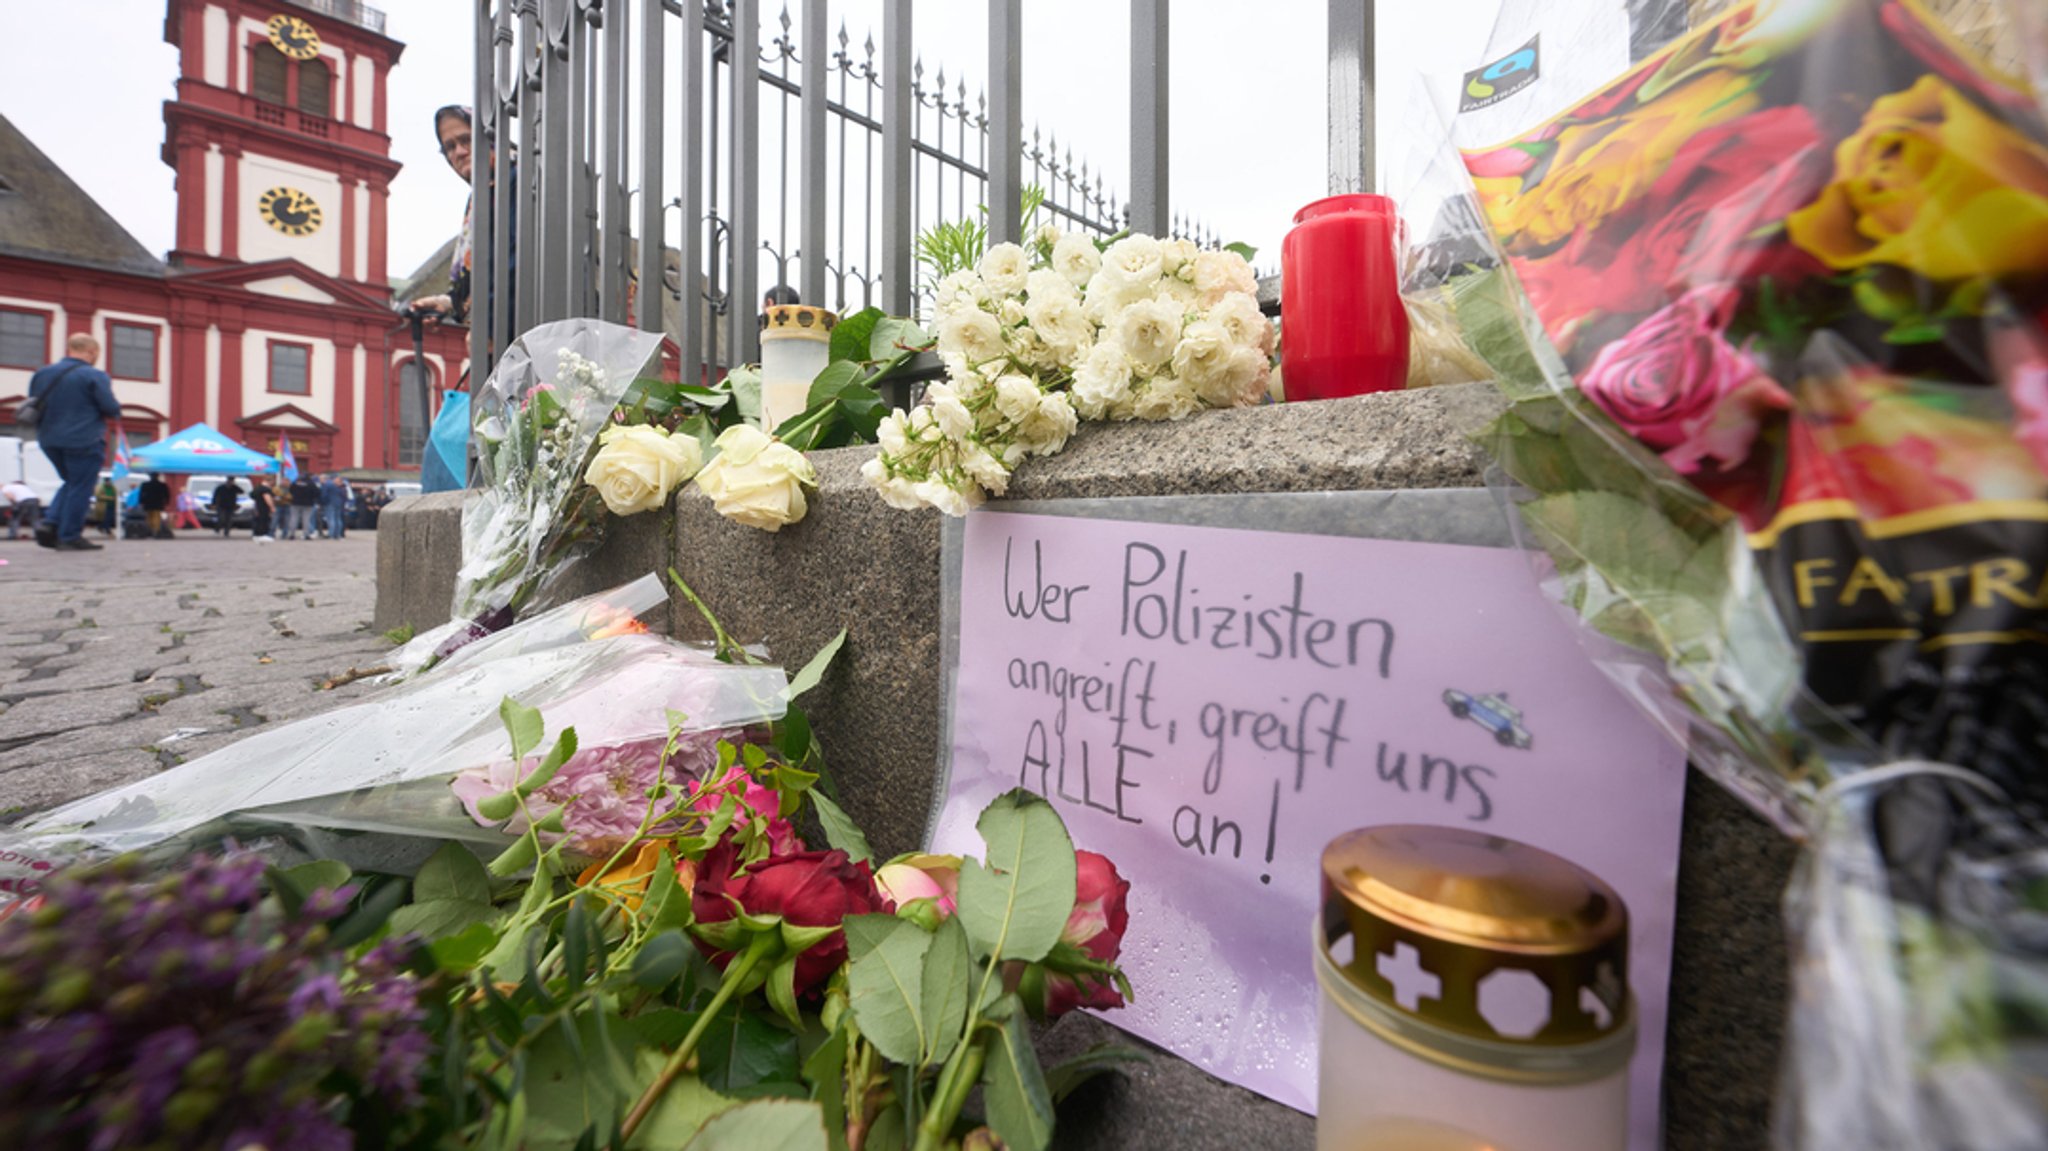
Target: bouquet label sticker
{"points": [[1210, 706]]}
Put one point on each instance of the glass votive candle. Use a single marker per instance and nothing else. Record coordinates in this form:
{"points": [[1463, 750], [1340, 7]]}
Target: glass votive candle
{"points": [[796, 343]]}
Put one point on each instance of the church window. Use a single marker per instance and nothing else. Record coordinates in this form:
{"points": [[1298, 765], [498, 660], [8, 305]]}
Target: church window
{"points": [[268, 82], [131, 351], [314, 85], [24, 339], [291, 368]]}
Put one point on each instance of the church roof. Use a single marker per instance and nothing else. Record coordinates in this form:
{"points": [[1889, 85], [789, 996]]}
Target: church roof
{"points": [[44, 215]]}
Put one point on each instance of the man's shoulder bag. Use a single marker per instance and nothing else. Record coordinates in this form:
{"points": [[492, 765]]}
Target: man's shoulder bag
{"points": [[29, 412]]}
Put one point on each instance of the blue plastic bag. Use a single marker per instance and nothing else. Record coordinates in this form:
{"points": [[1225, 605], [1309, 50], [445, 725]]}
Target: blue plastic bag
{"points": [[446, 463]]}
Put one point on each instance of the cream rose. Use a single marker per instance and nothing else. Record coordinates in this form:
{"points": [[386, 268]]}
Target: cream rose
{"points": [[1135, 259], [1217, 274], [1004, 267], [1202, 360], [1076, 258], [1059, 324], [1148, 331], [974, 335], [1240, 317], [756, 480], [637, 467], [1103, 379], [962, 291], [952, 416]]}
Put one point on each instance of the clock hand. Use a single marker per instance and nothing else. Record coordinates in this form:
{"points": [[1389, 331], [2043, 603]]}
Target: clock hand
{"points": [[289, 215], [292, 37]]}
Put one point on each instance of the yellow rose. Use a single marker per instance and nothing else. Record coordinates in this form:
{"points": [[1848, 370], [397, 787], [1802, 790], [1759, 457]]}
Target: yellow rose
{"points": [[1600, 167], [1934, 185], [636, 467], [757, 480]]}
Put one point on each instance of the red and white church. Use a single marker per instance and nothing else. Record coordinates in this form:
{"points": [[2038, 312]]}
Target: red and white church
{"points": [[272, 316]]}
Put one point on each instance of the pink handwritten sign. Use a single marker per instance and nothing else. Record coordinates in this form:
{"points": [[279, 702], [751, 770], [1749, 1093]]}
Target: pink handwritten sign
{"points": [[1210, 706]]}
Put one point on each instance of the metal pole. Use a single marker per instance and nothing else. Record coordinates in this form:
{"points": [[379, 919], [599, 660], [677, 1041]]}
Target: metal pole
{"points": [[1006, 119], [647, 301], [746, 172], [811, 188], [577, 200], [1149, 90], [526, 294], [482, 220], [899, 288], [1351, 97], [558, 150], [690, 270], [615, 232]]}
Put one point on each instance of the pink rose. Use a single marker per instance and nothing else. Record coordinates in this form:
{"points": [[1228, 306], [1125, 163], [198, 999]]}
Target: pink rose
{"points": [[1676, 383], [1096, 926], [915, 877], [759, 805]]}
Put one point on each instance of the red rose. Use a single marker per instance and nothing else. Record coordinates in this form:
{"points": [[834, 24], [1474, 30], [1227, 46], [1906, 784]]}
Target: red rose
{"points": [[806, 888], [1698, 224], [1096, 926]]}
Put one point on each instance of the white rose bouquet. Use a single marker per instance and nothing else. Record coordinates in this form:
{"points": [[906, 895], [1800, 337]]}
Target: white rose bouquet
{"points": [[1036, 339]]}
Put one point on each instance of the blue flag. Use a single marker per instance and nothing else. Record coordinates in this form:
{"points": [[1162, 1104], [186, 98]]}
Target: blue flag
{"points": [[287, 466]]}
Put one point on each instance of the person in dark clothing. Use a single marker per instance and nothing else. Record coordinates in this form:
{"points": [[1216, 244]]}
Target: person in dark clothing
{"points": [[78, 400], [305, 497], [155, 499], [265, 501], [227, 495], [453, 128], [779, 295]]}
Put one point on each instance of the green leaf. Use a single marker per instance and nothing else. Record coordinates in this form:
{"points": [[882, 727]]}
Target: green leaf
{"points": [[372, 910], [767, 1125], [850, 338], [884, 983], [742, 1048], [1019, 1106], [682, 1110], [576, 1079], [1015, 903], [833, 379], [565, 746], [661, 959], [432, 919], [294, 884], [897, 336], [522, 723], [793, 736], [453, 872], [662, 1027], [464, 949], [1243, 249], [780, 987], [1061, 1081], [745, 383], [840, 829], [825, 1071], [814, 671], [516, 858], [498, 807], [948, 972]]}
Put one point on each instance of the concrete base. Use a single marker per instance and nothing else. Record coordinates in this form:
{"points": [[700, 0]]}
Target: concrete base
{"points": [[856, 563]]}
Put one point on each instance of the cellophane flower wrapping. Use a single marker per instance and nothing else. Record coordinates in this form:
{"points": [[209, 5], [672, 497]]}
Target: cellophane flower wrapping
{"points": [[1766, 287], [376, 783], [538, 419]]}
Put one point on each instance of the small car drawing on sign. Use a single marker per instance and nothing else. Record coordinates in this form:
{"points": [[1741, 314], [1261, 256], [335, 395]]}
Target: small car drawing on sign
{"points": [[1492, 712]]}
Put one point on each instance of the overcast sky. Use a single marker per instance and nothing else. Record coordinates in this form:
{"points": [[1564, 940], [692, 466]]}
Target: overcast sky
{"points": [[1248, 102]]}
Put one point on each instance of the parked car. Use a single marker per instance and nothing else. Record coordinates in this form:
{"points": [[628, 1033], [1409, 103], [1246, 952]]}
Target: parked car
{"points": [[23, 460], [202, 487], [1492, 712]]}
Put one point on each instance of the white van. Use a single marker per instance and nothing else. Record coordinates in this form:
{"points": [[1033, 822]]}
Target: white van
{"points": [[22, 460]]}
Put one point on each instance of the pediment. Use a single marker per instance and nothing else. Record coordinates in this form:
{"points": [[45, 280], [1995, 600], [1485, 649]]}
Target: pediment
{"points": [[291, 288]]}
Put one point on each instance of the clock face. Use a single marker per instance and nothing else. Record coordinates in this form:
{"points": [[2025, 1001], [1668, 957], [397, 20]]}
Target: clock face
{"points": [[294, 37], [289, 211]]}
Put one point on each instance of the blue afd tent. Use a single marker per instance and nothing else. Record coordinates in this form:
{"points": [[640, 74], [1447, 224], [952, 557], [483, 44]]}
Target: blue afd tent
{"points": [[199, 448]]}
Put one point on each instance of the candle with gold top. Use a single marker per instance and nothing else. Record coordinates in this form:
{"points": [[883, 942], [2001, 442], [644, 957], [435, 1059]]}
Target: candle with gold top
{"points": [[796, 343], [1475, 996]]}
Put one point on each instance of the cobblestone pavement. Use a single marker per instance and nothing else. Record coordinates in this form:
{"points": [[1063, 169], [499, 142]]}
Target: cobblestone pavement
{"points": [[119, 663]]}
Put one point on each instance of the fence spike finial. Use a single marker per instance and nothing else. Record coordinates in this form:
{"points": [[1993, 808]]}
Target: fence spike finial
{"points": [[785, 18], [842, 37]]}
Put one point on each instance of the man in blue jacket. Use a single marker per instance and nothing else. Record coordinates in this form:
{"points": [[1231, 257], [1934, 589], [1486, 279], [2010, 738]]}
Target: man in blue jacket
{"points": [[78, 400]]}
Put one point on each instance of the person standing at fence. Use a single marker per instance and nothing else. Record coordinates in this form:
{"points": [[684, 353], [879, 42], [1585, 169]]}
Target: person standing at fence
{"points": [[453, 127], [78, 400]]}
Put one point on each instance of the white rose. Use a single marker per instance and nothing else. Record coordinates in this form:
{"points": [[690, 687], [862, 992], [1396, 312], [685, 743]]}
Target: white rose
{"points": [[895, 491], [1016, 397], [1251, 373], [1010, 312], [1181, 293], [1044, 282], [1164, 398], [952, 416], [757, 480], [947, 498], [1076, 258], [1109, 294], [985, 469], [1048, 425], [1220, 273], [1202, 359], [1103, 378], [1046, 236], [973, 335], [894, 433], [1239, 317], [960, 291], [1003, 268], [1134, 259], [1059, 324], [637, 467], [1148, 331], [1174, 255]]}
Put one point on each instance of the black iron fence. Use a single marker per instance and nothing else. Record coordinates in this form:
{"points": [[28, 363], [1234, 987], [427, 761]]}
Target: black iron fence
{"points": [[762, 146]]}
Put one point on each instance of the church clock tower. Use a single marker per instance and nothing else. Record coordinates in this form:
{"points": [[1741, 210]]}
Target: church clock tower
{"points": [[278, 136]]}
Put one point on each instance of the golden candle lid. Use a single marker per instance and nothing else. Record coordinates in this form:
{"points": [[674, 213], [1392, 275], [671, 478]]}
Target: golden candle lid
{"points": [[1486, 936], [797, 322]]}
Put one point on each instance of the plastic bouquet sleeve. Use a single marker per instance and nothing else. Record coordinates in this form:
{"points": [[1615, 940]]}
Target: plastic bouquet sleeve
{"points": [[1769, 303], [387, 765]]}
